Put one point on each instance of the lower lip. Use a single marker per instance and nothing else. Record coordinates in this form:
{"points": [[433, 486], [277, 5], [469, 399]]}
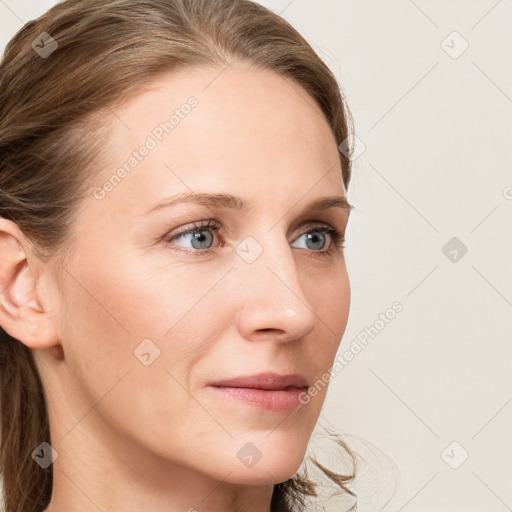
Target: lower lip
{"points": [[283, 400]]}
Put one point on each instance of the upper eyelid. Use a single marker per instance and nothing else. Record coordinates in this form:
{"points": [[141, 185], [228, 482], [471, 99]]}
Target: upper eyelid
{"points": [[215, 225]]}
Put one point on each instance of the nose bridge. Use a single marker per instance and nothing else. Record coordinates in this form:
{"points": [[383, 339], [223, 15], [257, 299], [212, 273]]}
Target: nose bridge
{"points": [[269, 258], [272, 295]]}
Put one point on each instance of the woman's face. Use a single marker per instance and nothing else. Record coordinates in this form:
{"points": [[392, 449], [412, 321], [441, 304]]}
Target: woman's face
{"points": [[149, 316]]}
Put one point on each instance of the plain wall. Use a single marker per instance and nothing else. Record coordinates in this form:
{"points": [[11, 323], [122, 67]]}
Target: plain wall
{"points": [[436, 130]]}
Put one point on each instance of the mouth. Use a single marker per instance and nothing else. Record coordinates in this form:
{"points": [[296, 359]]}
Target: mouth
{"points": [[265, 391], [273, 400]]}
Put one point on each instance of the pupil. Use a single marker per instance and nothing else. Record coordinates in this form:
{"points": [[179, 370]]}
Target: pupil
{"points": [[200, 238], [314, 237]]}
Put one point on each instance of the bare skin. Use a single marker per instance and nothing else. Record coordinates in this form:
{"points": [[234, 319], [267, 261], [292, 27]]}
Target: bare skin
{"points": [[156, 437]]}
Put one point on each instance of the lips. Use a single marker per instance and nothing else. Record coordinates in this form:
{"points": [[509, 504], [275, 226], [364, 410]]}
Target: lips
{"points": [[266, 381], [269, 391]]}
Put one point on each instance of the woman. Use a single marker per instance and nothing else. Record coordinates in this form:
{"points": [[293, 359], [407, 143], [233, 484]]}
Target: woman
{"points": [[173, 285]]}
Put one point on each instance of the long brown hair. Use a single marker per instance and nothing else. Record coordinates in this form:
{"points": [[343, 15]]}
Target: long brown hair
{"points": [[51, 92]]}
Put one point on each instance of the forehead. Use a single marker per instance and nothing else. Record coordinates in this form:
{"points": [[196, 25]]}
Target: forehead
{"points": [[235, 129]]}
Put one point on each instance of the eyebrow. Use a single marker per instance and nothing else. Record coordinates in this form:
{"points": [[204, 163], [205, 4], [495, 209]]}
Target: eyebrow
{"points": [[237, 203]]}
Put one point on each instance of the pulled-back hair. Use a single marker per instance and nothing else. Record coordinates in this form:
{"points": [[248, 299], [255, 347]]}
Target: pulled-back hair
{"points": [[51, 134]]}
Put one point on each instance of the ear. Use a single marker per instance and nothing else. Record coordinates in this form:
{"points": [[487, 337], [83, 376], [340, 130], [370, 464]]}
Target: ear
{"points": [[22, 315]]}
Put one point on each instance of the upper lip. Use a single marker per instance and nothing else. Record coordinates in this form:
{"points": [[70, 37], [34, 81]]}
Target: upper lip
{"points": [[268, 380]]}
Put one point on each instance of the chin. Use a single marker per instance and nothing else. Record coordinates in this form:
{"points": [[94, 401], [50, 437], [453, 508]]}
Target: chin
{"points": [[265, 462], [268, 473]]}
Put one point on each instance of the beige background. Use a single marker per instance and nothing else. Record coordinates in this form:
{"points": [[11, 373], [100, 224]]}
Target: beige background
{"points": [[436, 164]]}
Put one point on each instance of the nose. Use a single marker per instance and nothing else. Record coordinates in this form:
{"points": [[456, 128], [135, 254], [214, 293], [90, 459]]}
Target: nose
{"points": [[271, 300]]}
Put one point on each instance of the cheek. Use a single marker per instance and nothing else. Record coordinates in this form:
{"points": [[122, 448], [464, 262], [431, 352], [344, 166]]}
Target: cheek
{"points": [[156, 325], [105, 324], [330, 298]]}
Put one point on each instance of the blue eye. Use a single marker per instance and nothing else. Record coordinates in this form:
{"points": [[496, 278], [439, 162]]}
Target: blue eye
{"points": [[201, 238], [198, 232], [321, 234]]}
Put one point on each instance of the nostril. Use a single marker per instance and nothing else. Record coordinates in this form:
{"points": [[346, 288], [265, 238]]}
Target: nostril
{"points": [[270, 329]]}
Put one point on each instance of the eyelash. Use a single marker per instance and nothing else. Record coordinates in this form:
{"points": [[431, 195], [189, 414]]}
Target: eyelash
{"points": [[337, 244]]}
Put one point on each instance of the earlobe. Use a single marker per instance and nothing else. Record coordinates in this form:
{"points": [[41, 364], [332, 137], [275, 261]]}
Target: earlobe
{"points": [[22, 315]]}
